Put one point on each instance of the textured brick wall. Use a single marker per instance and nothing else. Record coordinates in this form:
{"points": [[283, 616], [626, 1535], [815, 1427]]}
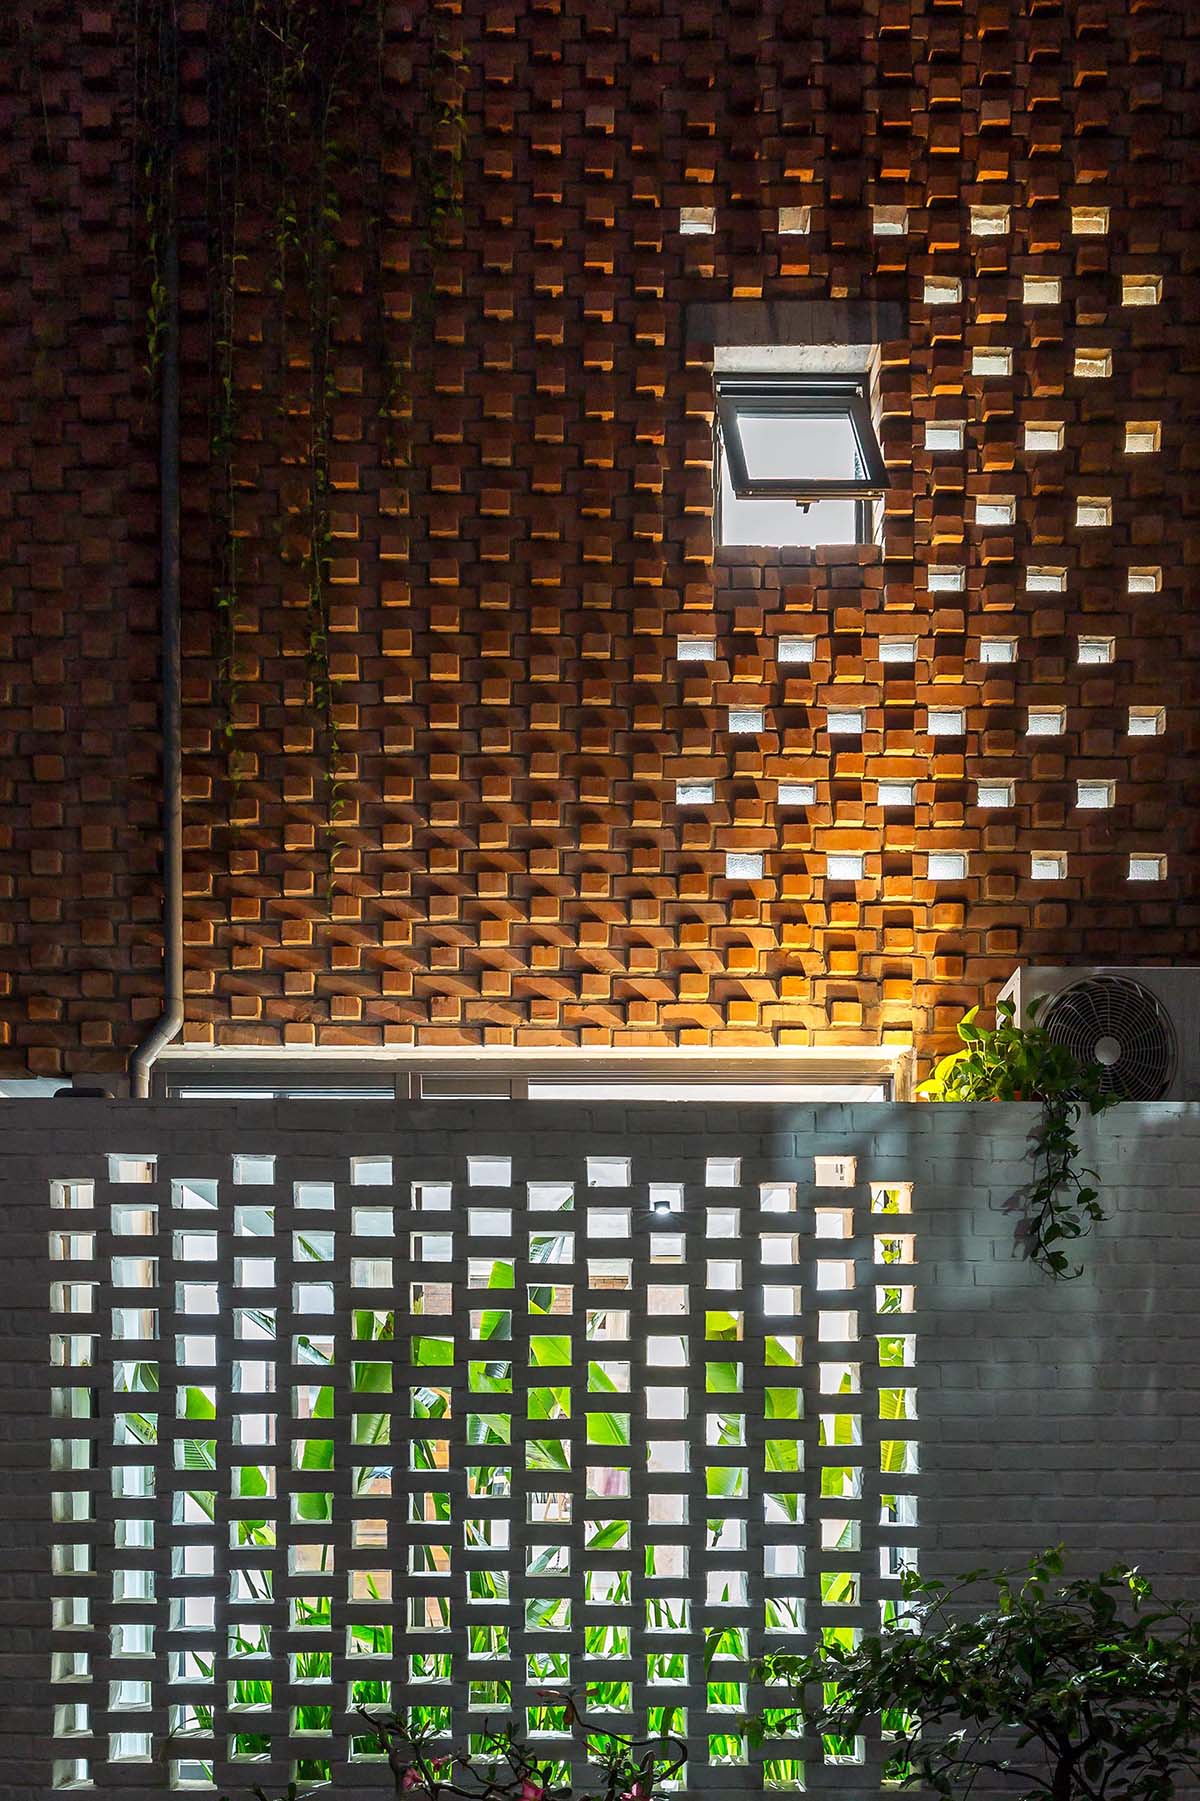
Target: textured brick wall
{"points": [[78, 574], [513, 717]]}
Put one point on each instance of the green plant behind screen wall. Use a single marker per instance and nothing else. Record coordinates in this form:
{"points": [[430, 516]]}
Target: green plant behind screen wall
{"points": [[1023, 1063]]}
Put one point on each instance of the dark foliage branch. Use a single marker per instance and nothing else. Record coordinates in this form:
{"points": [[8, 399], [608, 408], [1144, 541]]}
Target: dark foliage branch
{"points": [[506, 1769], [1080, 1690]]}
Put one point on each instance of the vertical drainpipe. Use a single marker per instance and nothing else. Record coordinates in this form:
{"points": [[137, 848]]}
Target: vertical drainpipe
{"points": [[170, 1021]]}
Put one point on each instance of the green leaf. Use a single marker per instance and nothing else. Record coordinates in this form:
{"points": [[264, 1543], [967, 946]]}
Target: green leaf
{"points": [[607, 1429]]}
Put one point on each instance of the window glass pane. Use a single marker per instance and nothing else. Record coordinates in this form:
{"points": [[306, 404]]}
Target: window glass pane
{"points": [[783, 522], [785, 447]]}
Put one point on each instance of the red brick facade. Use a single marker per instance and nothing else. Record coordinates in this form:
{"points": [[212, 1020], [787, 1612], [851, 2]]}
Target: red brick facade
{"points": [[512, 717]]}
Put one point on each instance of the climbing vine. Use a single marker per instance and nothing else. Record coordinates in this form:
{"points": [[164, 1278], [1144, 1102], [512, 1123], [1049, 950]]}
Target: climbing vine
{"points": [[319, 217], [305, 140], [154, 129], [439, 163], [394, 361], [226, 208]]}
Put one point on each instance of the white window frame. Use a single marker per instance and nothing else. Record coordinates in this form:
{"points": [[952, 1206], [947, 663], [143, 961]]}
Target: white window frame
{"points": [[849, 1072]]}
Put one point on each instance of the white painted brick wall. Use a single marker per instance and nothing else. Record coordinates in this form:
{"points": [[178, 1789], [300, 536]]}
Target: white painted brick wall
{"points": [[1047, 1411]]}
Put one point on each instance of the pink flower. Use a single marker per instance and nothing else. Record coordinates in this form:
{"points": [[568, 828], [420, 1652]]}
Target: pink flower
{"points": [[530, 1791], [411, 1778], [639, 1792]]}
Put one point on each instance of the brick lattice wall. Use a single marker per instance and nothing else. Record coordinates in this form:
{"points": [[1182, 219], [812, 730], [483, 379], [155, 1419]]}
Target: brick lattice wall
{"points": [[512, 712], [79, 803], [1044, 1413]]}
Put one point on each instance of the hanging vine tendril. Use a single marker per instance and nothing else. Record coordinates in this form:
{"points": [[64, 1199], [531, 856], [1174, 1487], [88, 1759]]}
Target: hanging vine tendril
{"points": [[303, 138], [154, 87], [226, 206]]}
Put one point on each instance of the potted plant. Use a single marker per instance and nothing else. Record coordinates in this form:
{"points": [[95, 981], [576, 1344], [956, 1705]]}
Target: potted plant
{"points": [[1080, 1690], [1023, 1063]]}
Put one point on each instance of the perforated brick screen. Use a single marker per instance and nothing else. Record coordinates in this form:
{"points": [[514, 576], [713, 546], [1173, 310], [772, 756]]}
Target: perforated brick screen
{"points": [[447, 1420], [1068, 1415]]}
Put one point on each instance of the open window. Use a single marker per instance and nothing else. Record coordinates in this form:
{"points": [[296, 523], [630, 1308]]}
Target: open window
{"points": [[798, 460]]}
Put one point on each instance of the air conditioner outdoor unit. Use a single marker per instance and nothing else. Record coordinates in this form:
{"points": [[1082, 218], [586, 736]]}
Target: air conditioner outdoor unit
{"points": [[1142, 1026]]}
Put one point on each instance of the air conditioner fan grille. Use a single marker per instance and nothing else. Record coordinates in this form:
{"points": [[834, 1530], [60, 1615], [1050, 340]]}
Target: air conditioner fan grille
{"points": [[1119, 1026]]}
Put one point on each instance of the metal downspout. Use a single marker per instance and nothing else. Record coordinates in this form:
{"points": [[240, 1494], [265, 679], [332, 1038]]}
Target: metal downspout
{"points": [[170, 1021]]}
